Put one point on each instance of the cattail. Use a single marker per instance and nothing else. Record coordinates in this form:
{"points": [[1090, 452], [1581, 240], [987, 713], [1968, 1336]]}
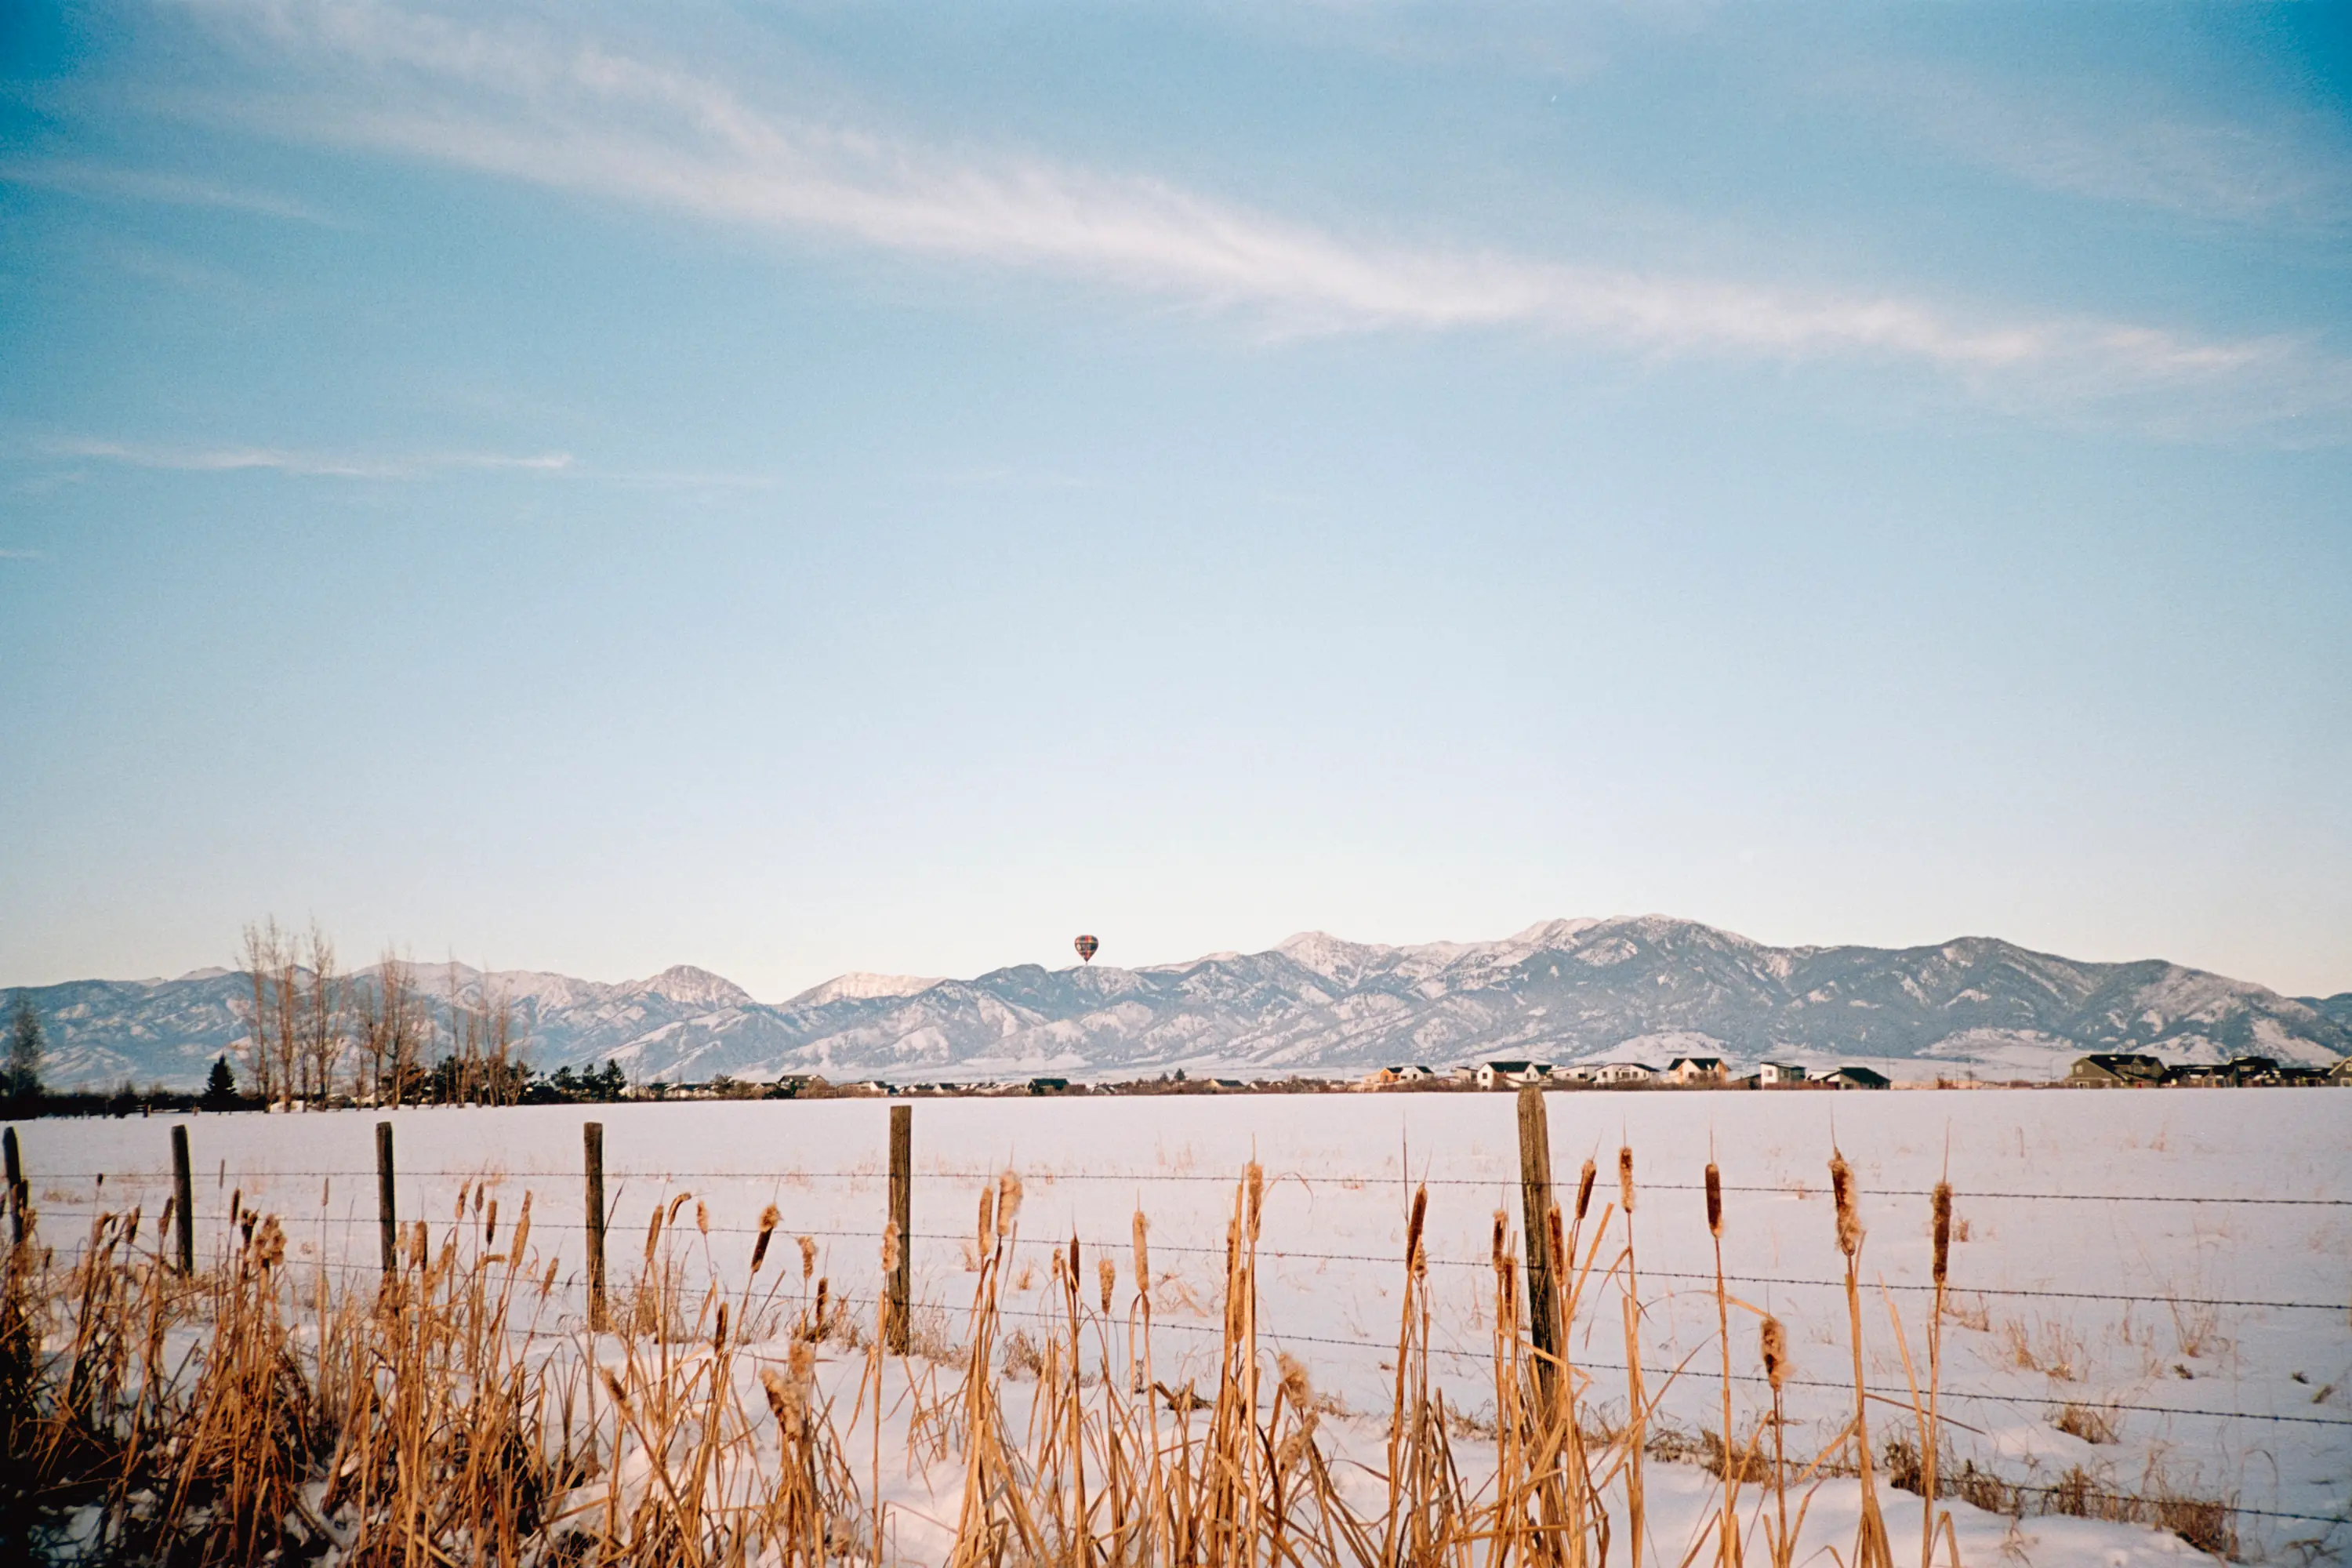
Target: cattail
{"points": [[490, 1229], [1714, 1201], [702, 1219], [1943, 1213], [1502, 1223], [131, 1227], [1142, 1254], [823, 1289], [718, 1340], [1008, 1202], [614, 1391], [653, 1233], [768, 1218], [676, 1204], [171, 1206], [1253, 1177], [1060, 1265], [1560, 1259], [546, 1282], [478, 1192], [417, 1243], [1108, 1271], [1077, 1277], [269, 1251], [1584, 1190], [1772, 1340], [236, 1202], [465, 1191], [1295, 1385], [522, 1231], [326, 1187], [1848, 1223], [987, 1220], [1625, 1179], [786, 1398], [808, 1257], [1413, 1225], [891, 1247]]}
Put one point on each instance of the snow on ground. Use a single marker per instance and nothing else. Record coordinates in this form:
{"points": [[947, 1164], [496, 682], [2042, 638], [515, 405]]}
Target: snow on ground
{"points": [[2123, 1333]]}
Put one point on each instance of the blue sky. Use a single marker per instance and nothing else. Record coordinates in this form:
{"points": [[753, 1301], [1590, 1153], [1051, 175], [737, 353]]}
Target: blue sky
{"points": [[797, 489]]}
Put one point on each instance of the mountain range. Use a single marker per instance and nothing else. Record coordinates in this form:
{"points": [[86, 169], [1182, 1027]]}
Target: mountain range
{"points": [[1645, 988]]}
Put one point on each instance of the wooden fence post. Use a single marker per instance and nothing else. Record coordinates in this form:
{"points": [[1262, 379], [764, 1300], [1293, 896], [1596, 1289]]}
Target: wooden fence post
{"points": [[1535, 1203], [15, 1183], [591, 1138], [384, 1201], [184, 1200], [902, 1211]]}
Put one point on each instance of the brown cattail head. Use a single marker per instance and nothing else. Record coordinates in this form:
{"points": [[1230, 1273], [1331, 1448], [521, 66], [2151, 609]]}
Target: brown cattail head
{"points": [[987, 1220], [614, 1390], [417, 1243], [1943, 1229], [465, 1191], [701, 1218], [891, 1246], [1625, 1179], [270, 1247], [676, 1204], [490, 1226], [823, 1289], [1584, 1190], [1413, 1227], [808, 1257], [479, 1193], [1772, 1340], [1077, 1276], [1296, 1387], [1502, 1225], [546, 1282], [1142, 1254], [1714, 1201], [653, 1233], [719, 1339], [522, 1231], [171, 1206], [1008, 1202], [130, 1226], [1253, 1177], [1560, 1258], [1108, 1271], [769, 1219], [1849, 1222]]}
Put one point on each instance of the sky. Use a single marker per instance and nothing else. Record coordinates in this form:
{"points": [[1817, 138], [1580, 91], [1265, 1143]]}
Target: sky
{"points": [[803, 489]]}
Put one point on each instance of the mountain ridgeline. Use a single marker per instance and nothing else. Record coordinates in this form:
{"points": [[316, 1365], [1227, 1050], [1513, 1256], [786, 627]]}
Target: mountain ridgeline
{"points": [[1643, 988]]}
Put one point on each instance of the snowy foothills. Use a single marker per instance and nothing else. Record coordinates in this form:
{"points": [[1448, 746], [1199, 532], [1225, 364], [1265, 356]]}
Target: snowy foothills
{"points": [[1647, 988]]}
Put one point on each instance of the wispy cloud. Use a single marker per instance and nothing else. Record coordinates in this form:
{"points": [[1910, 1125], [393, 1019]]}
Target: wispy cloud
{"points": [[2131, 147], [523, 104], [107, 182], [304, 464]]}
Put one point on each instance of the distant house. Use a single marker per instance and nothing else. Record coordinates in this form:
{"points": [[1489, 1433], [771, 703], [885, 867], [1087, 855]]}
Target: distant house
{"points": [[1389, 1077], [2113, 1069], [1619, 1073], [1575, 1072], [1773, 1075], [1498, 1075], [1048, 1085], [2341, 1073], [1854, 1078], [1695, 1069]]}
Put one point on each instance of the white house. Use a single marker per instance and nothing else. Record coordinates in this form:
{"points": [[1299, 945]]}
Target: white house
{"points": [[1772, 1075], [1695, 1069], [1491, 1074], [1624, 1072]]}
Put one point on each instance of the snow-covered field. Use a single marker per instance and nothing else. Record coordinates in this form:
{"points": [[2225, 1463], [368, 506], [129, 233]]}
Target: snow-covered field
{"points": [[2214, 1336]]}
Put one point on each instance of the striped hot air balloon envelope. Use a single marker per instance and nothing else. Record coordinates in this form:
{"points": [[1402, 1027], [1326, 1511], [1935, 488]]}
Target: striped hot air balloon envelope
{"points": [[1086, 946]]}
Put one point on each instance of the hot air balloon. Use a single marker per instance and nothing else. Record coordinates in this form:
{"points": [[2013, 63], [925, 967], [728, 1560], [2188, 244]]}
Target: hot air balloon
{"points": [[1086, 946]]}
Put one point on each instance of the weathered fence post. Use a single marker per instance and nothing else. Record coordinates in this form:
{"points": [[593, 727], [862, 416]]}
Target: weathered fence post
{"points": [[15, 1183], [1535, 1202], [591, 1138], [902, 1214], [184, 1200], [384, 1201]]}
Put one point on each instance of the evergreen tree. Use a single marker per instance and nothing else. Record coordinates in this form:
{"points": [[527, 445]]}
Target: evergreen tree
{"points": [[24, 1069], [220, 1088]]}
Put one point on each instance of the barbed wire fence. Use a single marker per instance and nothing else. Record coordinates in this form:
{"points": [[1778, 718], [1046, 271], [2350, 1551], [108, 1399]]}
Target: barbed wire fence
{"points": [[900, 1177]]}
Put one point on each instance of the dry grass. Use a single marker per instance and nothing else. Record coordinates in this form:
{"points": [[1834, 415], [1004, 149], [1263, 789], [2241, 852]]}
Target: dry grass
{"points": [[451, 1414]]}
